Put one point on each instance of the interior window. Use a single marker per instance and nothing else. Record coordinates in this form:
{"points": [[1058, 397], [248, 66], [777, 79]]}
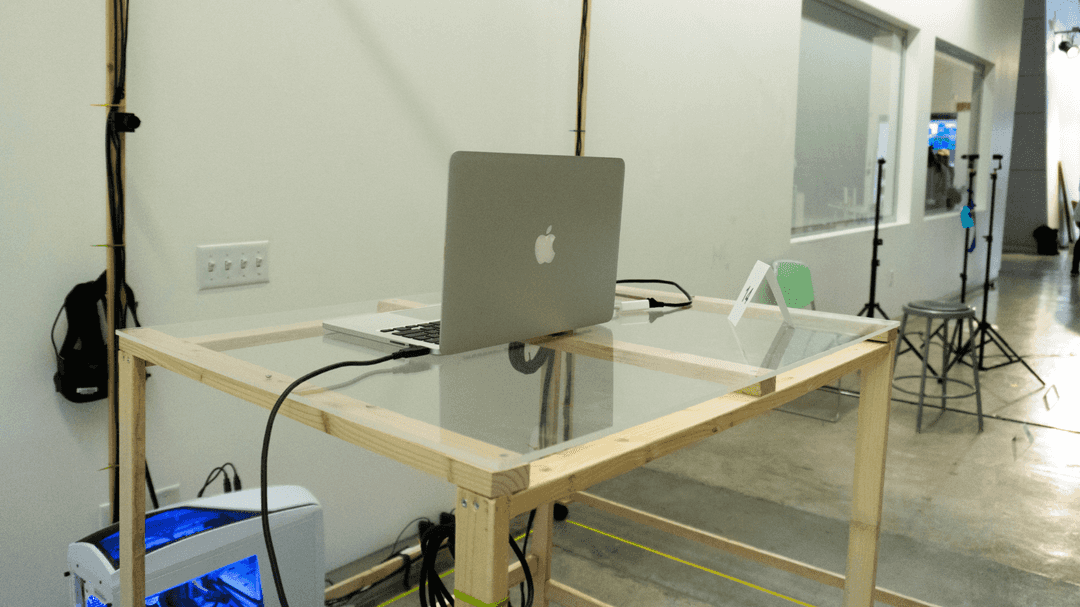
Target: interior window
{"points": [[954, 121], [847, 117]]}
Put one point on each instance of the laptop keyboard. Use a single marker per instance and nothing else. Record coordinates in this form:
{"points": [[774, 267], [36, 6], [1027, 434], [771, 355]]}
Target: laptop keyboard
{"points": [[426, 332]]}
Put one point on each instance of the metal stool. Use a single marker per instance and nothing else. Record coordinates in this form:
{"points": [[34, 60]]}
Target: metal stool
{"points": [[945, 312]]}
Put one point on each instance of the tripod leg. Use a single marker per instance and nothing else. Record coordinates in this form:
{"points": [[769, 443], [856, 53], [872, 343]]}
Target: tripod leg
{"points": [[946, 349], [960, 348], [912, 348], [981, 330], [1010, 354], [896, 353], [985, 337], [975, 369]]}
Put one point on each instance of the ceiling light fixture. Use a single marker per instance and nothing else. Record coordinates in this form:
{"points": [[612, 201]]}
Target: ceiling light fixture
{"points": [[1069, 45]]}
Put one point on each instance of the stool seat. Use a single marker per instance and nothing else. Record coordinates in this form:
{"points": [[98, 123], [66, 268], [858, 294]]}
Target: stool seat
{"points": [[939, 309]]}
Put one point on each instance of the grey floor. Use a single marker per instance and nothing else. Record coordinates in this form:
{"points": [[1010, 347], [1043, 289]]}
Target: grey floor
{"points": [[982, 519]]}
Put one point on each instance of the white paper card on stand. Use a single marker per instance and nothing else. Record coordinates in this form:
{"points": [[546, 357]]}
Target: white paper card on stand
{"points": [[761, 271]]}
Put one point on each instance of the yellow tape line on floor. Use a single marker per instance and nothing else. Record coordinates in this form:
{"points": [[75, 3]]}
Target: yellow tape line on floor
{"points": [[684, 562], [674, 558]]}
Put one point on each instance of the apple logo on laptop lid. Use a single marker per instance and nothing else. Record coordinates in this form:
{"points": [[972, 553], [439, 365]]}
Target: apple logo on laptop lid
{"points": [[545, 247]]}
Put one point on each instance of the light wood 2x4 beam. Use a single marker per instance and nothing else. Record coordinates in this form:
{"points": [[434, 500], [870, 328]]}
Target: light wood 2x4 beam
{"points": [[374, 428], [579, 468]]}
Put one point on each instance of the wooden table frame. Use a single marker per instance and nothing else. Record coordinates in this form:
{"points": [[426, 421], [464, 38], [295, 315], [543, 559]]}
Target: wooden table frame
{"points": [[487, 500]]}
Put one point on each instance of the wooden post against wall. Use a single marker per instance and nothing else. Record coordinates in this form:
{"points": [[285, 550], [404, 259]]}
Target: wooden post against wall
{"points": [[112, 242], [583, 77]]}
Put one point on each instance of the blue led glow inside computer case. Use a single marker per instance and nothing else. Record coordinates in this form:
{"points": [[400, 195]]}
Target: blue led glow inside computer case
{"points": [[235, 585], [210, 552]]}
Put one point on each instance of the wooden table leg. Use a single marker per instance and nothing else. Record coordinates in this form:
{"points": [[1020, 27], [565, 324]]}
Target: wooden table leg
{"points": [[870, 447], [481, 550], [132, 403], [540, 546]]}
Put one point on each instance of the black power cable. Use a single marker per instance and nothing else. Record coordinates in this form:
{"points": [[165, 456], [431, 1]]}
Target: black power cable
{"points": [[149, 487], [653, 303], [525, 549], [114, 150], [525, 569], [433, 593], [228, 487], [409, 352], [393, 547], [516, 352]]}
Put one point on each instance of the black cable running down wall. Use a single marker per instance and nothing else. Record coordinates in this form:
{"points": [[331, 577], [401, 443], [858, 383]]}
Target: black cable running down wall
{"points": [[114, 153], [583, 45]]}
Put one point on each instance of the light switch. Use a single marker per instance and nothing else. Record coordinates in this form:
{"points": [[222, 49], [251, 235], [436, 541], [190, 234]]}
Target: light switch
{"points": [[228, 265]]}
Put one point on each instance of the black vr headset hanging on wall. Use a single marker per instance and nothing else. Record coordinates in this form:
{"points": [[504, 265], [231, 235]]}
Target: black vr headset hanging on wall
{"points": [[82, 369]]}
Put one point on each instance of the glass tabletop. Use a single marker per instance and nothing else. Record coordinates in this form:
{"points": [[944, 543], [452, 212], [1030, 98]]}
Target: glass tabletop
{"points": [[516, 403]]}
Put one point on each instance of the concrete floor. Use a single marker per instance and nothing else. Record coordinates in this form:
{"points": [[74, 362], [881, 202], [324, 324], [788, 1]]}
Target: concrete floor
{"points": [[969, 518]]}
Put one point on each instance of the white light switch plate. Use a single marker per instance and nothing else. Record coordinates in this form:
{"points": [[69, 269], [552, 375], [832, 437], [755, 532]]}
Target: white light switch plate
{"points": [[229, 265]]}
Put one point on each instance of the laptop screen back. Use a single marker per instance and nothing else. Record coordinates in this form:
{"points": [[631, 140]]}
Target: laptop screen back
{"points": [[532, 246]]}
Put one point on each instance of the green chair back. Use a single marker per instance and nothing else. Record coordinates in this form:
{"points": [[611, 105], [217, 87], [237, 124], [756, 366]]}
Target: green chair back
{"points": [[795, 282]]}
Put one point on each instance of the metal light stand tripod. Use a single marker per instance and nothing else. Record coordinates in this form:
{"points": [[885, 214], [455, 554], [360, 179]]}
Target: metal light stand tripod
{"points": [[872, 305], [985, 332], [957, 343], [971, 158]]}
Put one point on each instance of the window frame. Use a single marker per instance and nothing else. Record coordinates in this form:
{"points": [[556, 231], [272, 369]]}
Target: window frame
{"points": [[979, 70], [894, 146]]}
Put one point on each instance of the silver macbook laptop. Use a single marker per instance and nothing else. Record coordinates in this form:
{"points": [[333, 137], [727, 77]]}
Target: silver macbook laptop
{"points": [[532, 246]]}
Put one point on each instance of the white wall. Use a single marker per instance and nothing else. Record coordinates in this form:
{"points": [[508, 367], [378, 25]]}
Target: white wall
{"points": [[52, 181], [317, 125], [1062, 113]]}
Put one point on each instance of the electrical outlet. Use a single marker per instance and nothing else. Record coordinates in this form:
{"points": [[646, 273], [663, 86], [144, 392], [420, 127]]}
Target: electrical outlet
{"points": [[167, 496], [892, 275], [230, 265]]}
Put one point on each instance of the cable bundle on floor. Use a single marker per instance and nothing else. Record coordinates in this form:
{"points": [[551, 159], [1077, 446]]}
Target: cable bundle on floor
{"points": [[433, 593]]}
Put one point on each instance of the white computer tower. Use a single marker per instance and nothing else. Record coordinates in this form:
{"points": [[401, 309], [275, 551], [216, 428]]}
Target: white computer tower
{"points": [[211, 551]]}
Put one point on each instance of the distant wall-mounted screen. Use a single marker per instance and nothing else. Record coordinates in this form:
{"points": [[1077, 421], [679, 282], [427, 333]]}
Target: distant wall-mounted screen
{"points": [[943, 132]]}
